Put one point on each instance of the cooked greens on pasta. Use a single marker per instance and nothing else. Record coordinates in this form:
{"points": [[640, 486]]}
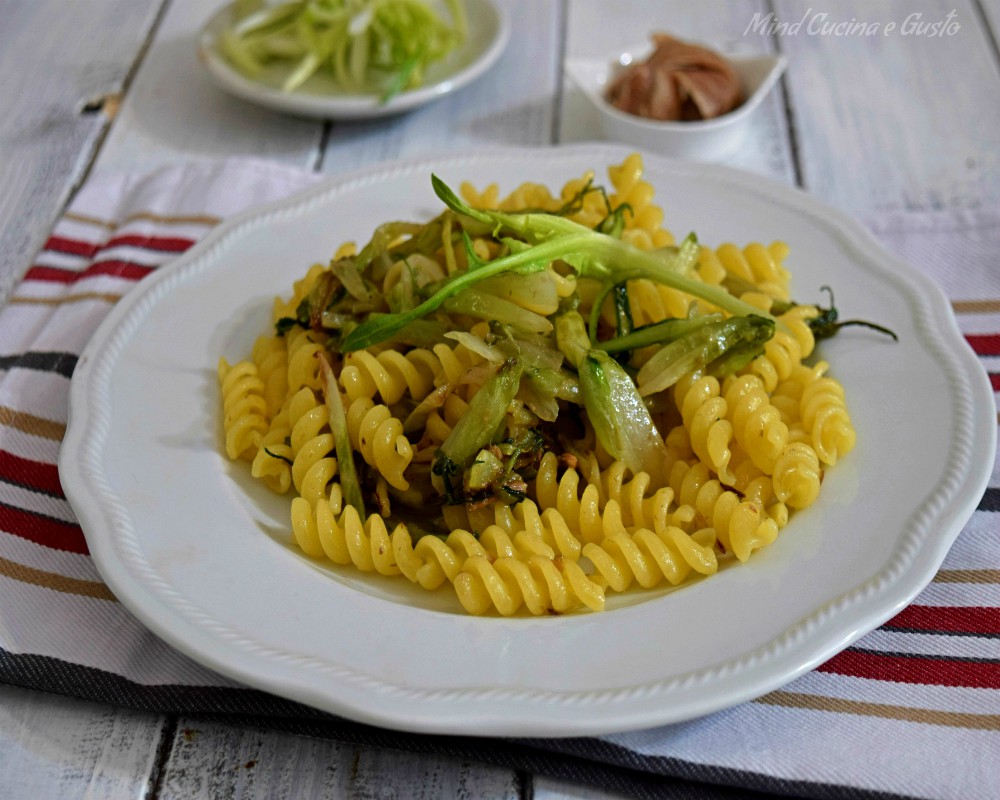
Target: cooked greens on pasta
{"points": [[539, 399]]}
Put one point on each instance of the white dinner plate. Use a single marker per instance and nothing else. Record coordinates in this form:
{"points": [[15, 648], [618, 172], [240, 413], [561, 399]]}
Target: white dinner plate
{"points": [[320, 96], [203, 556]]}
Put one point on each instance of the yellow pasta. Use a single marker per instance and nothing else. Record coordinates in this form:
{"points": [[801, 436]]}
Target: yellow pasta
{"points": [[273, 462], [704, 413], [756, 424], [304, 347], [825, 417], [541, 585], [244, 408], [378, 437], [389, 374], [797, 476], [451, 410], [270, 356], [310, 445], [649, 558]]}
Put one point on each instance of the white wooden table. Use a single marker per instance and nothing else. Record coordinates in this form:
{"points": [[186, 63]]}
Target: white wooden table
{"points": [[902, 123]]}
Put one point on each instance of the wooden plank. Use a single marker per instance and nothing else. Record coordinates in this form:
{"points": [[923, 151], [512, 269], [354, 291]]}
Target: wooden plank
{"points": [[64, 60], [174, 113], [991, 18], [511, 105], [551, 789], [895, 120], [592, 32], [57, 747], [209, 760]]}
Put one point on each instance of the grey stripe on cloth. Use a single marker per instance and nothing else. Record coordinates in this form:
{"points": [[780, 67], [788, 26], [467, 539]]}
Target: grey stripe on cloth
{"points": [[61, 363], [582, 760]]}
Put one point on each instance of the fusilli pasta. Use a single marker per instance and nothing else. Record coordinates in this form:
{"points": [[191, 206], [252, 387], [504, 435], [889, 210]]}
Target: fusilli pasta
{"points": [[490, 416]]}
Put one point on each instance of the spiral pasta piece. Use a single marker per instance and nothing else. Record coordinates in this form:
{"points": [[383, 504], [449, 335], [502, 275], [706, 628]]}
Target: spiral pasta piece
{"points": [[741, 525], [759, 265], [651, 302], [825, 417], [273, 462], [756, 424], [646, 229], [696, 487], [311, 445], [641, 505], [540, 585], [797, 476], [244, 409], [452, 364], [580, 512], [432, 561], [270, 355], [649, 557], [390, 374], [341, 536], [704, 413], [549, 527], [378, 436], [793, 341], [304, 347]]}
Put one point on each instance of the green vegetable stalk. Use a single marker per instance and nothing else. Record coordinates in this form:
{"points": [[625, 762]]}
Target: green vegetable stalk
{"points": [[478, 426], [349, 483], [620, 418], [618, 414], [546, 238], [729, 343]]}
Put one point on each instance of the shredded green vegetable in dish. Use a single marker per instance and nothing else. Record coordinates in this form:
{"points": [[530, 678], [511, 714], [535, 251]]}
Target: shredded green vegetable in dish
{"points": [[366, 46]]}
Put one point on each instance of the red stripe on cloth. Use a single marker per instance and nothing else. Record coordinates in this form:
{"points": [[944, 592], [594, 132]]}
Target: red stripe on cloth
{"points": [[116, 269], [33, 474], [46, 531], [995, 381], [985, 344], [981, 620], [926, 670], [168, 244], [75, 247]]}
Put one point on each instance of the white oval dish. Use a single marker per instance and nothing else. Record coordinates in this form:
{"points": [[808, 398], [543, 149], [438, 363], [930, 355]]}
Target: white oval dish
{"points": [[701, 140], [201, 553], [321, 97]]}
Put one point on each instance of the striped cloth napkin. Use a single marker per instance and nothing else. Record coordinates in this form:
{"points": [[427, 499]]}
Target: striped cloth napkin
{"points": [[911, 710]]}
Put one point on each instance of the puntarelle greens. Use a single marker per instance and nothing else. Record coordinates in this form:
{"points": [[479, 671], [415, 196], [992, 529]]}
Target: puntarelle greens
{"points": [[365, 46], [582, 363]]}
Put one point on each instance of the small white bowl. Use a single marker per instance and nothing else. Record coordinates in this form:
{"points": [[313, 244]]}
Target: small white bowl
{"points": [[701, 140], [489, 28]]}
